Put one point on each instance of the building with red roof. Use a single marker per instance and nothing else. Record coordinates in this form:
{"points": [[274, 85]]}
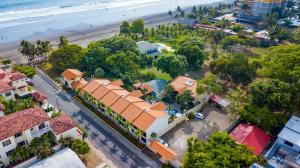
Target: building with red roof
{"points": [[20, 128], [251, 136], [12, 83]]}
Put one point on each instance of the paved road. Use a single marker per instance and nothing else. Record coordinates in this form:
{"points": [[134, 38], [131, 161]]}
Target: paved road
{"points": [[116, 148]]}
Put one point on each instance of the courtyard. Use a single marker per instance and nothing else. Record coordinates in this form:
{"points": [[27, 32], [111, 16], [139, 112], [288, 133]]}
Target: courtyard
{"points": [[215, 120]]}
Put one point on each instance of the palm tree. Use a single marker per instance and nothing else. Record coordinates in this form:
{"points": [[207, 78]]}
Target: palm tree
{"points": [[66, 141], [27, 49], [43, 48], [10, 106], [63, 41], [290, 4], [245, 6], [138, 133], [273, 32], [127, 125]]}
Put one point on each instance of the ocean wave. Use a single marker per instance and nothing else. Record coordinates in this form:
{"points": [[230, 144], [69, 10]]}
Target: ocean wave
{"points": [[67, 9]]}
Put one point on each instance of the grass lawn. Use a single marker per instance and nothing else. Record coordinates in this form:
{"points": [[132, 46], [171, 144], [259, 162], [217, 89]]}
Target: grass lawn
{"points": [[260, 51], [159, 74]]}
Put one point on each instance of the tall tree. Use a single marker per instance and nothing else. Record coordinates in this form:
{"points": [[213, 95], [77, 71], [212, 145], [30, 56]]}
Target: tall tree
{"points": [[137, 26], [208, 85], [219, 151], [125, 28], [172, 64], [27, 49], [63, 41]]}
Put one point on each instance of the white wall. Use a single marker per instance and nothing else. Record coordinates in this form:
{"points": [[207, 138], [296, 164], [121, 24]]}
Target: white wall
{"points": [[157, 126], [10, 97], [74, 132], [295, 147], [20, 83], [5, 149]]}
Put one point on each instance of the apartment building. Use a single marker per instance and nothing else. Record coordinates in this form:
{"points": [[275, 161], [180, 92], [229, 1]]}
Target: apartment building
{"points": [[73, 78], [257, 9], [20, 128], [13, 83], [285, 152]]}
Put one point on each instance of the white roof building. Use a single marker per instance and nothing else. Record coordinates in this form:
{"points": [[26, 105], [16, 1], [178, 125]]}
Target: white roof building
{"points": [[62, 159]]}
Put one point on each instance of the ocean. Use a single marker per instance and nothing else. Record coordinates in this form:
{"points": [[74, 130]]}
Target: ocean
{"points": [[22, 19]]}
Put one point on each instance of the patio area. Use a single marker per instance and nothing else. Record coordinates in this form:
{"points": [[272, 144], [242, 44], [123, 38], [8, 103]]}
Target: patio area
{"points": [[215, 120]]}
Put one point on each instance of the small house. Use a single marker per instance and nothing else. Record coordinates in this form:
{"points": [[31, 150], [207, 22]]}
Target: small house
{"points": [[146, 47]]}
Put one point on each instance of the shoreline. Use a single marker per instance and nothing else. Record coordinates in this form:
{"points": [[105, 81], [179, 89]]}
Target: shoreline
{"points": [[85, 35]]}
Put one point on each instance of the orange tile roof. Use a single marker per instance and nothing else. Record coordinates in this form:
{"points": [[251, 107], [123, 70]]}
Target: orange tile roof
{"points": [[118, 82], [183, 83], [100, 92], [144, 120], [94, 84], [70, 74], [165, 152], [136, 93], [134, 110], [159, 106], [146, 87], [122, 103], [157, 113], [79, 84], [112, 96]]}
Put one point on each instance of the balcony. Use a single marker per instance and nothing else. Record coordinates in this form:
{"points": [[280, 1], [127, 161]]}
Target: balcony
{"points": [[40, 132]]}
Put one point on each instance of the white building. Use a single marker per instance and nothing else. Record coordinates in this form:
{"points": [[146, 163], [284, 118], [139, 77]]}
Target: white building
{"points": [[62, 159], [19, 128], [285, 152], [13, 83], [72, 77]]}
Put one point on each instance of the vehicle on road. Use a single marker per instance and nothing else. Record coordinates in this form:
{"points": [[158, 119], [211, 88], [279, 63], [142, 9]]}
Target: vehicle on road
{"points": [[199, 115]]}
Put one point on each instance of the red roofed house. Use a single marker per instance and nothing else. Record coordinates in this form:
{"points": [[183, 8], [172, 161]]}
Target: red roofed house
{"points": [[12, 83], [251, 136], [20, 128], [166, 153], [73, 78]]}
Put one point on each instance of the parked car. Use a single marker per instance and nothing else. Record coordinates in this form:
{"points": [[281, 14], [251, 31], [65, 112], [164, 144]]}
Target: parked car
{"points": [[199, 115], [29, 81]]}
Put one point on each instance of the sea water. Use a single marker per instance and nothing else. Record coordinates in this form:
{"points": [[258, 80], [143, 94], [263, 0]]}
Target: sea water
{"points": [[21, 19]]}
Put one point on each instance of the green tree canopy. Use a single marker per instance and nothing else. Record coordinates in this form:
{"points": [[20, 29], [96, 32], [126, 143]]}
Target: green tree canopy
{"points": [[184, 98], [172, 64], [68, 56], [208, 85], [272, 93], [137, 26], [236, 68], [25, 69], [193, 53], [125, 28], [219, 151]]}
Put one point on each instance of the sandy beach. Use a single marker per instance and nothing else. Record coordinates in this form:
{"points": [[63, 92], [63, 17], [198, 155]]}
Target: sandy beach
{"points": [[82, 34], [80, 37]]}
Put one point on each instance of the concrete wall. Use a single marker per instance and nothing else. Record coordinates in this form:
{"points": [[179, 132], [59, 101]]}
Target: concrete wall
{"points": [[74, 133], [295, 147], [7, 148], [10, 97]]}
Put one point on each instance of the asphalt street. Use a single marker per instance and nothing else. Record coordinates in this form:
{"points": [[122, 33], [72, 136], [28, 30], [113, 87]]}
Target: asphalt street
{"points": [[116, 148]]}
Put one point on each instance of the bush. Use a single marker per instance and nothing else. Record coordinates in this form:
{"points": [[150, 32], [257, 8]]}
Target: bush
{"points": [[80, 147], [147, 76], [25, 69], [191, 115]]}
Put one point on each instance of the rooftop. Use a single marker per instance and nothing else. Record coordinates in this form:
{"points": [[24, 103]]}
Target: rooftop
{"points": [[71, 74], [162, 150], [62, 159], [183, 83], [252, 136], [157, 85], [39, 96], [5, 87], [79, 84], [61, 124], [21, 121], [291, 131]]}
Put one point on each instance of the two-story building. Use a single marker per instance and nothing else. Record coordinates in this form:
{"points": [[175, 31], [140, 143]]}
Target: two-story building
{"points": [[285, 152], [72, 78], [13, 83], [20, 128]]}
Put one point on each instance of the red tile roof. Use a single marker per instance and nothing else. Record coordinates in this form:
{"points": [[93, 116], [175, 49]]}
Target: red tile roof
{"points": [[183, 83], [79, 84], [70, 74], [5, 87], [252, 136], [17, 76], [39, 96], [21, 121], [62, 124]]}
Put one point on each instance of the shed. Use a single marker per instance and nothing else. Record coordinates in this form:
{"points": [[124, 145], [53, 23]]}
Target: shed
{"points": [[219, 101]]}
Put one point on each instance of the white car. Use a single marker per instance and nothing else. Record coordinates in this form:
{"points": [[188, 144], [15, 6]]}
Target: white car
{"points": [[199, 115]]}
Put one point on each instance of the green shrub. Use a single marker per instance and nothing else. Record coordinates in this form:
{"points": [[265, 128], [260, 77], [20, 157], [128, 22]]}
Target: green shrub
{"points": [[191, 115], [80, 147]]}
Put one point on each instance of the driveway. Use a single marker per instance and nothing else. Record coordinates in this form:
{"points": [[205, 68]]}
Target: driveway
{"points": [[116, 148], [215, 120]]}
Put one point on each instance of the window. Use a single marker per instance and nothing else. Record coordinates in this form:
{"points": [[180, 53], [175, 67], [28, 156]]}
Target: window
{"points": [[288, 143], [21, 143], [42, 126], [8, 153], [18, 134], [7, 94], [5, 143]]}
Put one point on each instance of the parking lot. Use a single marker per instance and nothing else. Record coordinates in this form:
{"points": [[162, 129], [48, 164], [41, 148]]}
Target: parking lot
{"points": [[215, 120]]}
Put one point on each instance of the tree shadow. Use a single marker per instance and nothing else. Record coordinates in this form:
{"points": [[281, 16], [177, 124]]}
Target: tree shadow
{"points": [[124, 157], [104, 141], [114, 149]]}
